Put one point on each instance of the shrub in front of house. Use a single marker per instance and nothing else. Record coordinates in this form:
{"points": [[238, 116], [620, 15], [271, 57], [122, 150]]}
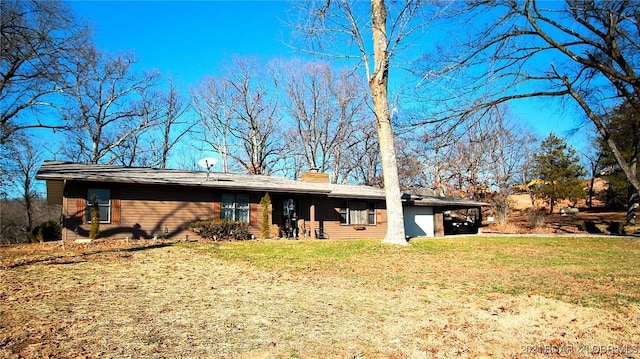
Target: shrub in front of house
{"points": [[47, 231], [221, 229], [94, 230], [265, 224]]}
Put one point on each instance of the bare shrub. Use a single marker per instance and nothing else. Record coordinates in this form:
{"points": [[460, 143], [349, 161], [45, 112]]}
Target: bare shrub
{"points": [[536, 217], [502, 208]]}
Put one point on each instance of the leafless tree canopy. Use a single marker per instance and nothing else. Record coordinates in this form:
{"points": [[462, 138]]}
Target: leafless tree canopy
{"points": [[38, 38], [20, 162], [109, 104], [286, 116], [480, 156], [152, 146], [256, 119], [325, 106], [373, 35], [583, 52], [173, 125], [240, 118]]}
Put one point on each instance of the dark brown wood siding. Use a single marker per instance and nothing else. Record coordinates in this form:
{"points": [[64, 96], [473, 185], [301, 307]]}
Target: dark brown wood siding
{"points": [[81, 205], [152, 211], [335, 230], [145, 211], [327, 217]]}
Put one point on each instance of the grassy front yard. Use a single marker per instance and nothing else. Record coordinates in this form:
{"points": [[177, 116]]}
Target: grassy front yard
{"points": [[459, 296]]}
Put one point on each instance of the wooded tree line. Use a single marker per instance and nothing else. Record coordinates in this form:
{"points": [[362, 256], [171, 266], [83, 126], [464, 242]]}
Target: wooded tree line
{"points": [[287, 116], [452, 131]]}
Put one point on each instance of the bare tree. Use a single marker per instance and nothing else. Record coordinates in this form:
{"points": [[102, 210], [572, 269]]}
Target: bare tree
{"points": [[584, 52], [360, 160], [37, 39], [594, 167], [434, 148], [21, 163], [135, 150], [173, 126], [309, 102], [411, 168], [476, 157], [240, 116], [151, 147], [256, 117], [214, 102], [488, 153], [108, 105], [291, 161], [187, 157], [325, 105], [507, 147], [341, 22], [468, 159]]}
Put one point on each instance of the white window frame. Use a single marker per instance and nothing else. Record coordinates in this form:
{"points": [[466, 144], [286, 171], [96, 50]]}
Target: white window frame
{"points": [[351, 210], [237, 205], [102, 203]]}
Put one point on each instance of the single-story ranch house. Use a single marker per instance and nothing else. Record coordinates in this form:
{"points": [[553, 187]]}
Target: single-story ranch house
{"points": [[139, 202]]}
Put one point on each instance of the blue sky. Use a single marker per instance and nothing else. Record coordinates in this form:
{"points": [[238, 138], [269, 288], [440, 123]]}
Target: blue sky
{"points": [[189, 40]]}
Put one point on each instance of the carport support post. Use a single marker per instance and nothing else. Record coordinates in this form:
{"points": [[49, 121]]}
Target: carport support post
{"points": [[312, 220], [438, 222]]}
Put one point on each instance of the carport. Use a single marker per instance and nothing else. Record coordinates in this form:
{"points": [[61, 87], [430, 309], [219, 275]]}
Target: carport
{"points": [[424, 216]]}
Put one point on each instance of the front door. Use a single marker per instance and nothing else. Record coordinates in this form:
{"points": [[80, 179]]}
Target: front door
{"points": [[290, 218]]}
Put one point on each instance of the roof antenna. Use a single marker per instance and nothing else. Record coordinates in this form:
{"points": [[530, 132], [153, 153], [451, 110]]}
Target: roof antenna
{"points": [[207, 163]]}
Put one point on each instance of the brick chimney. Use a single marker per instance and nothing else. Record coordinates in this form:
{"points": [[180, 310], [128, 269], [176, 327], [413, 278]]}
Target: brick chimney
{"points": [[314, 176]]}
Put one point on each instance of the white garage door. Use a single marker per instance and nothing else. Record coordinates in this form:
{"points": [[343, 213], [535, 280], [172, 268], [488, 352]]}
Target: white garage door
{"points": [[418, 221]]}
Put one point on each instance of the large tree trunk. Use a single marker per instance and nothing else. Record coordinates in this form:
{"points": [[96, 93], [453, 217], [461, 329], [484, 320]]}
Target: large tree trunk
{"points": [[379, 87], [632, 195], [603, 130]]}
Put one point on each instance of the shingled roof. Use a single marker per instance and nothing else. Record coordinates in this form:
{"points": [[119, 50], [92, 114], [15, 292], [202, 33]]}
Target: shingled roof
{"points": [[61, 171], [446, 202], [56, 171]]}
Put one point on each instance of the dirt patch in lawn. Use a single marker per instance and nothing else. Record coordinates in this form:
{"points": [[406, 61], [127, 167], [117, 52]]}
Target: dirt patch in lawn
{"points": [[167, 301]]}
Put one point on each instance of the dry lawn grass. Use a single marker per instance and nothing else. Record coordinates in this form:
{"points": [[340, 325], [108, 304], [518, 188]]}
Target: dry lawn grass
{"points": [[470, 297]]}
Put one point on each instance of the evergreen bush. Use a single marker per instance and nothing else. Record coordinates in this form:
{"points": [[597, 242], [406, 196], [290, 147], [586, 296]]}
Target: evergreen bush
{"points": [[221, 229], [94, 230], [265, 224], [47, 231]]}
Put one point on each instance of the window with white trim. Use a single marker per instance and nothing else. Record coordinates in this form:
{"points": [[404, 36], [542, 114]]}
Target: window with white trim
{"points": [[99, 198], [235, 207], [357, 212]]}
